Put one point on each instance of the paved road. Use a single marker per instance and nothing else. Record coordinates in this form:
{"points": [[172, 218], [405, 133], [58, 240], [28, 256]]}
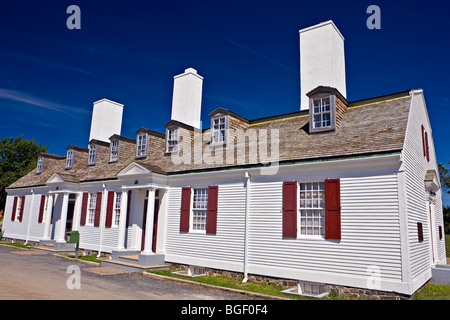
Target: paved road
{"points": [[31, 275]]}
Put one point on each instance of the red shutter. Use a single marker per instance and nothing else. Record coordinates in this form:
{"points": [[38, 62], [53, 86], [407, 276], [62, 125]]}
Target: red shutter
{"points": [[290, 209], [98, 207], [185, 209], [84, 205], [13, 214], [41, 209], [211, 219], [332, 209], [426, 146], [21, 209], [109, 209], [423, 142]]}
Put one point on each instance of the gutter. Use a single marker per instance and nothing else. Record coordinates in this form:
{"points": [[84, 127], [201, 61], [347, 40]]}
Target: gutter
{"points": [[247, 198]]}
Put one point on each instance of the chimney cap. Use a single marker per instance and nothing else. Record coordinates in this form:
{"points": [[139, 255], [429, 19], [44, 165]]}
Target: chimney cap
{"points": [[189, 71], [322, 24]]}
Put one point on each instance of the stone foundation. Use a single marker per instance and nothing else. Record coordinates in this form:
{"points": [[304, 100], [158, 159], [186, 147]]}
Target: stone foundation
{"points": [[286, 283]]}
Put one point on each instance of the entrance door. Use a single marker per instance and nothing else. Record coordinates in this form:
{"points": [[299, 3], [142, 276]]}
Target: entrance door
{"points": [[144, 222], [155, 225], [70, 209]]}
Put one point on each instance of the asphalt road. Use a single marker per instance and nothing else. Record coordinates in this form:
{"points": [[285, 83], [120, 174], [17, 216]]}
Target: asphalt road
{"points": [[31, 275]]}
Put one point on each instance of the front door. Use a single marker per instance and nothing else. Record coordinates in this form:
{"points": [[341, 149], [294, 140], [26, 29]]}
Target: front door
{"points": [[144, 222], [70, 209], [155, 225]]}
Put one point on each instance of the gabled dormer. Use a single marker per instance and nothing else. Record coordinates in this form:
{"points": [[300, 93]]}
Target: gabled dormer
{"points": [[96, 148], [223, 124], [47, 161], [75, 154], [147, 141], [327, 107]]}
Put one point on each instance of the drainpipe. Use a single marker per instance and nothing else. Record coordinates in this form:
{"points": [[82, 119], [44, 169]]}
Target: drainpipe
{"points": [[102, 223], [29, 218], [247, 198]]}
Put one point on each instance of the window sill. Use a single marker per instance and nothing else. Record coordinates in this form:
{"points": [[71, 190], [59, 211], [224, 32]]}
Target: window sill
{"points": [[310, 237]]}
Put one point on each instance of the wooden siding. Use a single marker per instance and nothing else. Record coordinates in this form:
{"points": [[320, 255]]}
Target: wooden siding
{"points": [[369, 229], [224, 247], [416, 165]]}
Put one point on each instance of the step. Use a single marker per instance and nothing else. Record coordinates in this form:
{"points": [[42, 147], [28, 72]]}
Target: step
{"points": [[131, 266]]}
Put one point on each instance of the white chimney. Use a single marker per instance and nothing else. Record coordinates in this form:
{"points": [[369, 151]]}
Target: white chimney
{"points": [[106, 120], [322, 60], [187, 98]]}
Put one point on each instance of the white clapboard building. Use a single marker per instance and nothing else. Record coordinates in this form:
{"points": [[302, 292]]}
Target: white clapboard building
{"points": [[339, 193]]}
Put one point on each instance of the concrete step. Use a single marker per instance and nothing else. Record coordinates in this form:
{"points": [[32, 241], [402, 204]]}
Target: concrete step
{"points": [[440, 274], [135, 267]]}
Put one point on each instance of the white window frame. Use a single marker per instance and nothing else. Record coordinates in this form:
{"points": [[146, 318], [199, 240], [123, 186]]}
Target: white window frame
{"points": [[40, 164], [69, 159], [314, 111], [216, 130], [172, 139], [311, 210], [114, 150], [92, 156], [141, 145], [199, 210], [92, 204], [116, 209]]}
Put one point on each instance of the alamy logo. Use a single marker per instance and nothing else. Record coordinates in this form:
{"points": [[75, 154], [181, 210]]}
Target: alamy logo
{"points": [[74, 280], [74, 20], [374, 21]]}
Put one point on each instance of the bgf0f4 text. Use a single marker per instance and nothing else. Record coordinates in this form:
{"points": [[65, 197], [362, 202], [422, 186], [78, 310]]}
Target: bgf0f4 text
{"points": [[237, 309]]}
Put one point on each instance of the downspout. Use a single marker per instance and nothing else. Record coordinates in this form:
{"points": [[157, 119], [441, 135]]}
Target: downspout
{"points": [[247, 198], [29, 218], [102, 223]]}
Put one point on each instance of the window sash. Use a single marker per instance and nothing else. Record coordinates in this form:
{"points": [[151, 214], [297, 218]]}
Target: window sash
{"points": [[322, 112], [312, 209], [91, 208], [219, 130], [39, 165], [117, 205], [199, 209], [172, 140], [114, 152], [141, 147], [69, 159], [92, 153]]}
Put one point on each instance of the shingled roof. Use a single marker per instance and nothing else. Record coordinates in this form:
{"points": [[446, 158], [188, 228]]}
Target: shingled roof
{"points": [[375, 125]]}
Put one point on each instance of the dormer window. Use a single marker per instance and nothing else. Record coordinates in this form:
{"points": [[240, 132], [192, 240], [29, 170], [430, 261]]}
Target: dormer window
{"points": [[327, 108], [69, 159], [322, 112], [141, 145], [92, 154], [114, 151], [172, 140], [40, 164], [219, 126]]}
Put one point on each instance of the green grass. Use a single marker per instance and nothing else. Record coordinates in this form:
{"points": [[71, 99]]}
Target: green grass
{"points": [[92, 257], [447, 245], [17, 245], [263, 288], [433, 292]]}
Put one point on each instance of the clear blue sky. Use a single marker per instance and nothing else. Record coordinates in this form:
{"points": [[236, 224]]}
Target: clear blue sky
{"points": [[247, 51]]}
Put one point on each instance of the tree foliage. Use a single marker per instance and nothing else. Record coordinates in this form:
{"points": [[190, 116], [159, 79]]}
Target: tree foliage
{"points": [[445, 177], [18, 156]]}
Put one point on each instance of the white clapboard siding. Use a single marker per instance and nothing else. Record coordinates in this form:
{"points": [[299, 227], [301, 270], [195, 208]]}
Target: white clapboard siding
{"points": [[369, 228], [225, 247], [416, 165]]}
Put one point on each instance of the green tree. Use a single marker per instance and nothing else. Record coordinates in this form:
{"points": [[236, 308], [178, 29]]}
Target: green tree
{"points": [[445, 177], [17, 157]]}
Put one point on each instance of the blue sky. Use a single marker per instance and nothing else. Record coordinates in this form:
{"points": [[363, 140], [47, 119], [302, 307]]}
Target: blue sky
{"points": [[247, 52]]}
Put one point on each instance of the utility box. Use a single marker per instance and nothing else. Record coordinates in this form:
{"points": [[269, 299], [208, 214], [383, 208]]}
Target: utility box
{"points": [[72, 237]]}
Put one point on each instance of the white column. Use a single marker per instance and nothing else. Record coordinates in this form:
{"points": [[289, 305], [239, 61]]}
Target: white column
{"points": [[48, 217], [77, 212], [122, 220], [149, 222], [62, 221]]}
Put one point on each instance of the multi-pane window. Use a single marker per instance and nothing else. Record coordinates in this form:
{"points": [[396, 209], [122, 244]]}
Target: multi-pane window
{"points": [[40, 163], [172, 140], [92, 153], [117, 204], [199, 209], [69, 159], [114, 151], [141, 147], [218, 130], [322, 112], [312, 208], [91, 208]]}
